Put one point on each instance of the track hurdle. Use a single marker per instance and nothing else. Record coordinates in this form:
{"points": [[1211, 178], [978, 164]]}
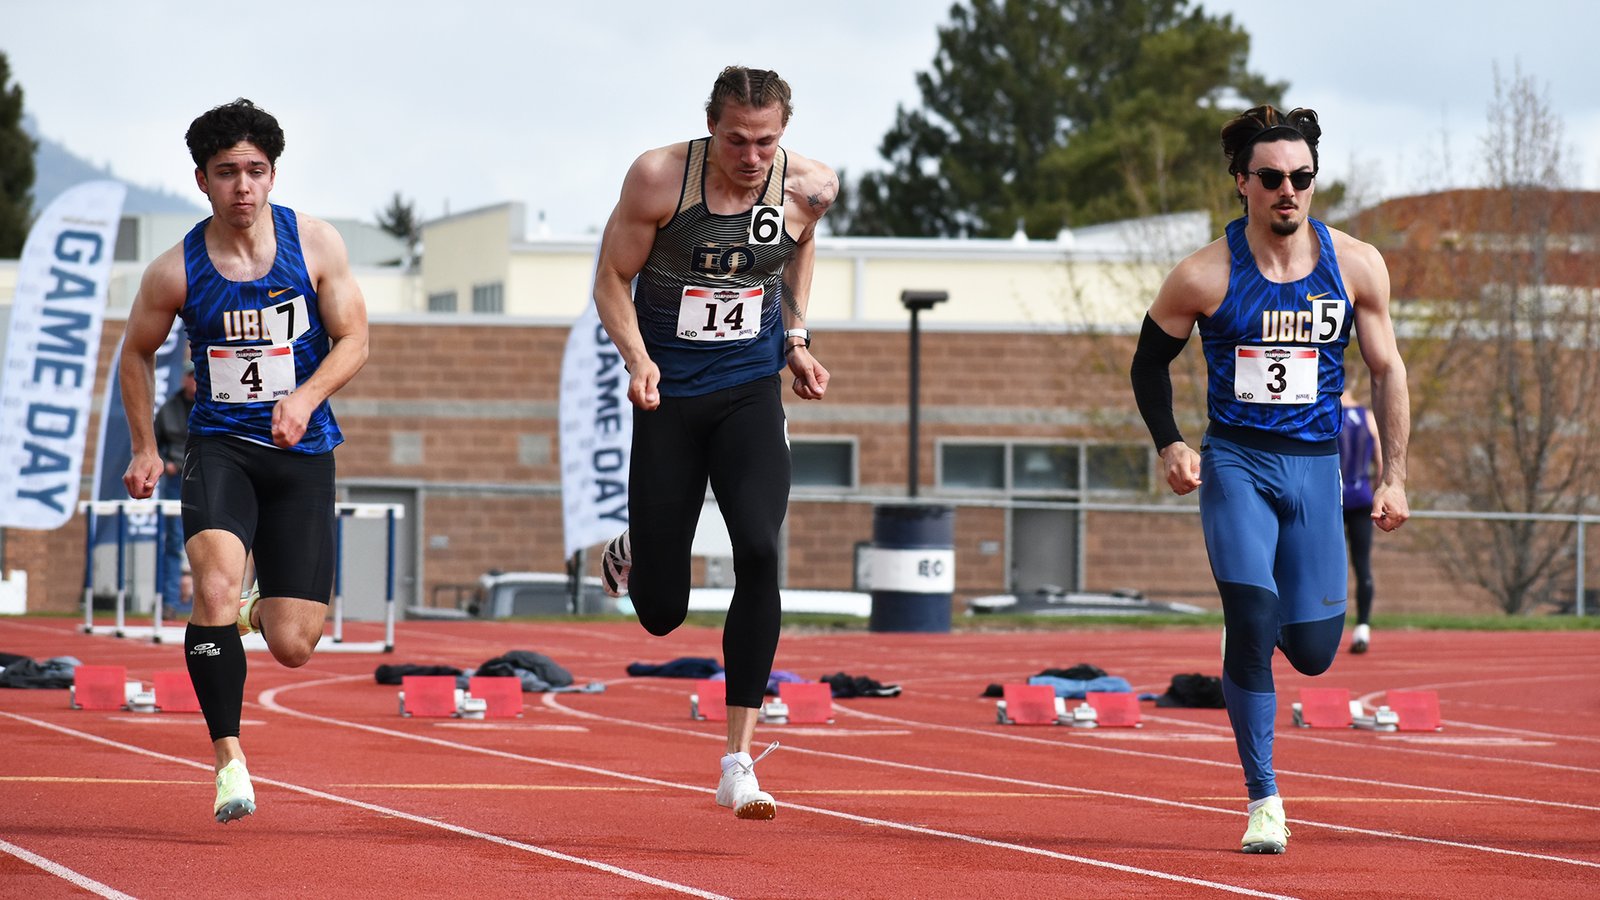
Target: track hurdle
{"points": [[115, 513]]}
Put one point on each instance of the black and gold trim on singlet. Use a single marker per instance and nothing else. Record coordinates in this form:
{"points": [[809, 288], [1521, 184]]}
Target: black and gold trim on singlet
{"points": [[701, 257], [694, 178]]}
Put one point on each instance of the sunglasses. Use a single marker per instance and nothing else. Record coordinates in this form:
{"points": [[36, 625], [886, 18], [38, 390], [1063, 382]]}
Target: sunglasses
{"points": [[1272, 178]]}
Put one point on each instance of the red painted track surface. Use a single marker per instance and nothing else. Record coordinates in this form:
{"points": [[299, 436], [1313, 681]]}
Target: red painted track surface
{"points": [[924, 795]]}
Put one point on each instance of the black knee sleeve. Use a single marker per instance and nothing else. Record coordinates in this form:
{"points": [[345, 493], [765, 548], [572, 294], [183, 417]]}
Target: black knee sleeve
{"points": [[1250, 614], [215, 655]]}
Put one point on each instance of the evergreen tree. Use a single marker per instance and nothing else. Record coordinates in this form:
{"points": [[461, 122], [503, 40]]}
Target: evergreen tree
{"points": [[1057, 113], [16, 168]]}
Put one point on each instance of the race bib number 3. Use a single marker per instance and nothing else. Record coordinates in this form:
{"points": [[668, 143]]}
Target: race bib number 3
{"points": [[251, 374], [720, 314], [1275, 375]]}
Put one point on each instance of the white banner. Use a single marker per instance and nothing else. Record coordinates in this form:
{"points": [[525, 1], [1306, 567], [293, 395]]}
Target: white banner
{"points": [[596, 435], [52, 354]]}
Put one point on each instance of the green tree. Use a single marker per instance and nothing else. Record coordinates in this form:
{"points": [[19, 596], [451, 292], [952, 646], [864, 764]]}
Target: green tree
{"points": [[400, 219], [1060, 113], [16, 168]]}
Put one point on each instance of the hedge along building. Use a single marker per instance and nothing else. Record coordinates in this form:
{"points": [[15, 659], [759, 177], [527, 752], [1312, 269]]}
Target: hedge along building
{"points": [[1024, 409]]}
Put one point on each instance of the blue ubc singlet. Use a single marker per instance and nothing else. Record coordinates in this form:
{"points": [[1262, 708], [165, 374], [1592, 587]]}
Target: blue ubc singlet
{"points": [[254, 342], [709, 298], [1275, 351]]}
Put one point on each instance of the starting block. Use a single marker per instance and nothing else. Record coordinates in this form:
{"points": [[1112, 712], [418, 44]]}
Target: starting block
{"points": [[501, 693], [808, 703], [1030, 704], [1416, 710], [175, 693], [101, 688], [1037, 704], [708, 703], [1325, 708], [1333, 708], [437, 696], [1114, 709]]}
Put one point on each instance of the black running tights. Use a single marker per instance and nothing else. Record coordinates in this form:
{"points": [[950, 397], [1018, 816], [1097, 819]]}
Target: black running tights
{"points": [[736, 440]]}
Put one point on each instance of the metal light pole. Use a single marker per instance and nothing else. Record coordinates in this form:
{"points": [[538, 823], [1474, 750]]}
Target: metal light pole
{"points": [[916, 301]]}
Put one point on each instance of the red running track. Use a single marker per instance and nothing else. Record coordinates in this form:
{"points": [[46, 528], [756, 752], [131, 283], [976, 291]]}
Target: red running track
{"points": [[610, 794]]}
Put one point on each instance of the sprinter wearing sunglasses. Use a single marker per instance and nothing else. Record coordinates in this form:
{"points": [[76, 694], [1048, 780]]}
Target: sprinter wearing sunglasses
{"points": [[1275, 300]]}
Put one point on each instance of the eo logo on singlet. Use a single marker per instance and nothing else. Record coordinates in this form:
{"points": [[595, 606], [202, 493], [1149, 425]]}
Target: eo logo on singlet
{"points": [[721, 261], [206, 649]]}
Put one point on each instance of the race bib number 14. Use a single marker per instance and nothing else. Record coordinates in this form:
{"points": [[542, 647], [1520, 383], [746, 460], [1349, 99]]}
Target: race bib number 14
{"points": [[720, 314]]}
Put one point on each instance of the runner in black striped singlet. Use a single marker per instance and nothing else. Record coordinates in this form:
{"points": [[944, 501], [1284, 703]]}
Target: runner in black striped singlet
{"points": [[719, 232]]}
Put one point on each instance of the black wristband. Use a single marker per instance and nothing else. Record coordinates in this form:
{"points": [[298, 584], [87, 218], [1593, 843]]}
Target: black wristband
{"points": [[1152, 381]]}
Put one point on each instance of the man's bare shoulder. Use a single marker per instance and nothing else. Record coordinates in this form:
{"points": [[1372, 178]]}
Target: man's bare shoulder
{"points": [[317, 234], [167, 273], [1205, 271], [1360, 262], [811, 184], [655, 180]]}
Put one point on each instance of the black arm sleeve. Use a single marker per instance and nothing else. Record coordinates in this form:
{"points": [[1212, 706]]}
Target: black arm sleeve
{"points": [[1152, 381]]}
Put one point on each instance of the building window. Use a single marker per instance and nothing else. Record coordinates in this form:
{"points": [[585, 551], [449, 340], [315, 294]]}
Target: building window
{"points": [[972, 467], [823, 463], [1118, 467], [442, 302], [488, 298], [1044, 467], [1023, 467]]}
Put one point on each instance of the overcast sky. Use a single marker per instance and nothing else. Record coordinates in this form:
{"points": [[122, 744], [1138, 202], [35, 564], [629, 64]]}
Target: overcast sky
{"points": [[464, 104]]}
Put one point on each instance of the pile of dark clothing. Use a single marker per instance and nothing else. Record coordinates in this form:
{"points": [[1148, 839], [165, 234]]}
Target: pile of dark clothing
{"points": [[23, 672], [1073, 683], [1194, 691], [845, 686], [537, 672]]}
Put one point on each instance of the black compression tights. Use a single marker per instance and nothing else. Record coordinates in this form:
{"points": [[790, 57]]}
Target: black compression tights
{"points": [[1358, 531], [734, 439]]}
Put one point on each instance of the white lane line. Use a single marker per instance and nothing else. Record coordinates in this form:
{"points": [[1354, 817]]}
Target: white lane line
{"points": [[77, 879], [1150, 754], [554, 702], [386, 811], [269, 698]]}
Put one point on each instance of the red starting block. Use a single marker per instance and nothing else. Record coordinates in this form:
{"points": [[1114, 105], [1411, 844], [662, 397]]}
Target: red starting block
{"points": [[1029, 704], [175, 693], [709, 703], [99, 687], [1323, 708], [1418, 710], [1114, 709], [428, 695], [808, 702], [502, 693]]}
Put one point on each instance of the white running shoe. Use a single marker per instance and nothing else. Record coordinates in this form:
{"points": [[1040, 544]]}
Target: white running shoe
{"points": [[236, 798], [615, 565], [1360, 638], [1268, 832], [740, 792], [247, 603]]}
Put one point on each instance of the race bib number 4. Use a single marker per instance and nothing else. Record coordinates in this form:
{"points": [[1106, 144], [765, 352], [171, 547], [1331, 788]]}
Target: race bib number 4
{"points": [[1275, 374], [720, 314], [251, 374]]}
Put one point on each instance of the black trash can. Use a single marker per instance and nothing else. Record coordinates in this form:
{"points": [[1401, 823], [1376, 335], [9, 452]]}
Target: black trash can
{"points": [[913, 568]]}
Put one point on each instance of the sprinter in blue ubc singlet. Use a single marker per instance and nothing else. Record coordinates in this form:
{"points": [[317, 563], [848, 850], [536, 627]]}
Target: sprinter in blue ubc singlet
{"points": [[1275, 300]]}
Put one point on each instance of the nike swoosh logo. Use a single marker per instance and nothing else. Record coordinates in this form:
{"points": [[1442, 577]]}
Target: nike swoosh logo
{"points": [[287, 290], [1327, 602], [1309, 297]]}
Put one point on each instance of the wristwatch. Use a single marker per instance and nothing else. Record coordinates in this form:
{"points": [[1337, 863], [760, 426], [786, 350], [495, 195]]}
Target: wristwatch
{"points": [[801, 333]]}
